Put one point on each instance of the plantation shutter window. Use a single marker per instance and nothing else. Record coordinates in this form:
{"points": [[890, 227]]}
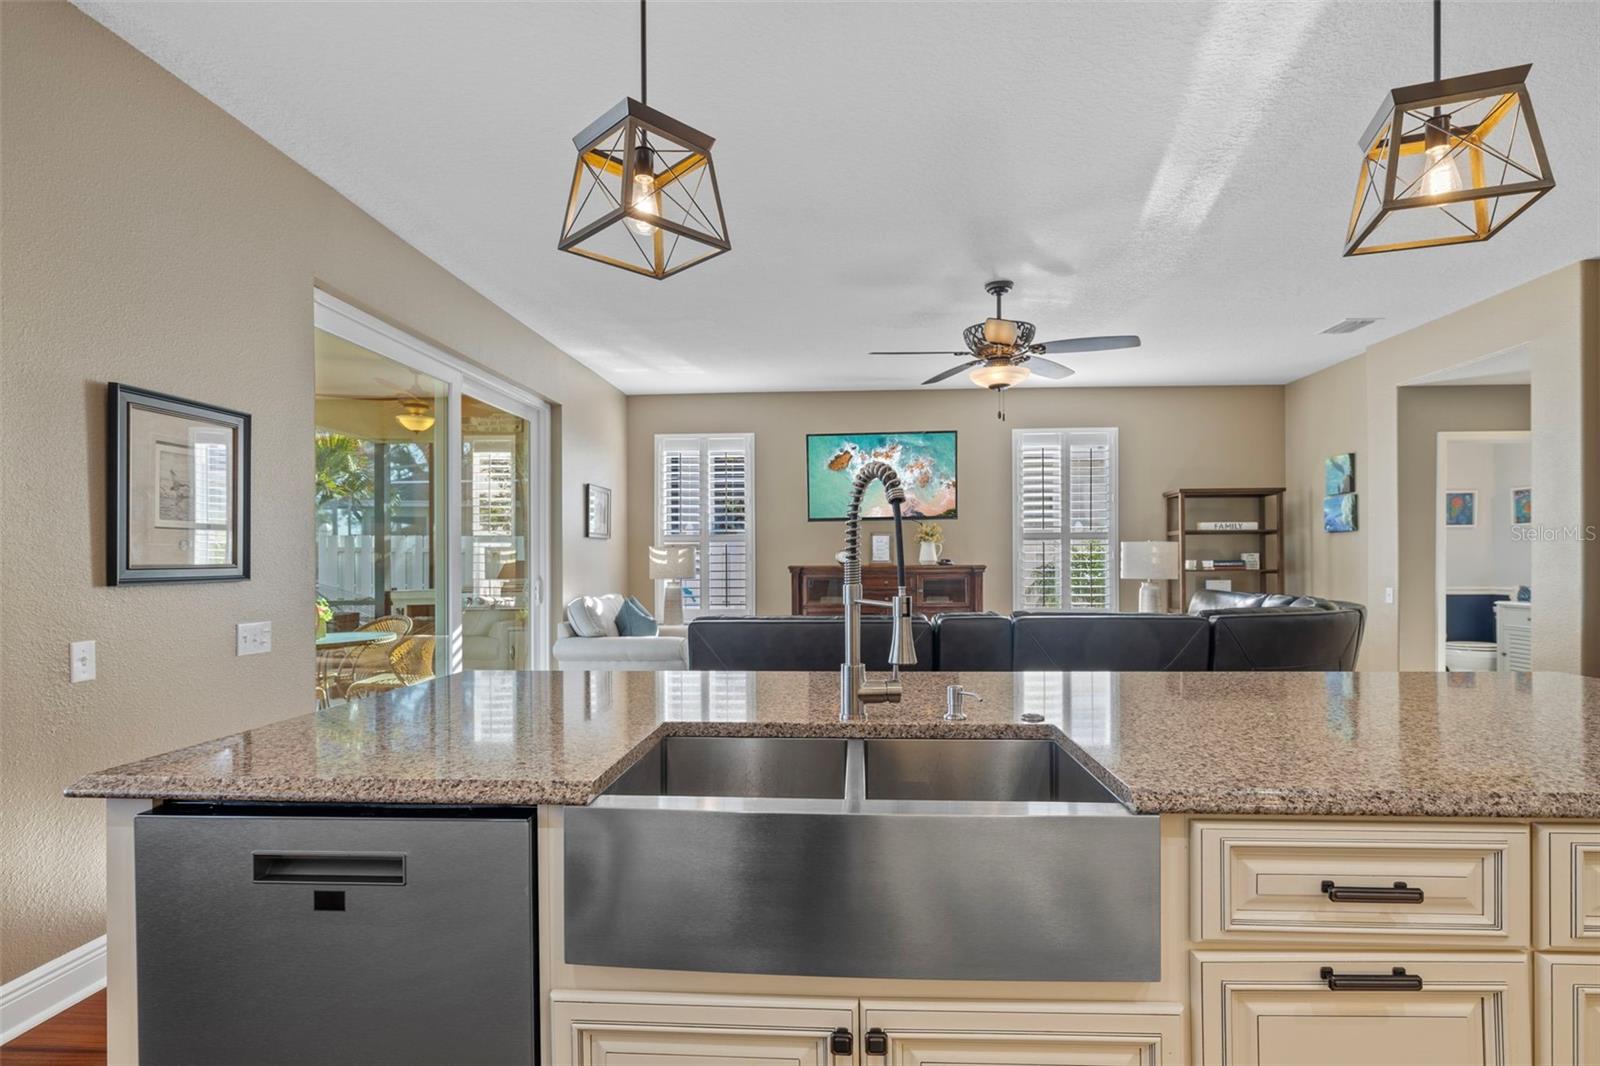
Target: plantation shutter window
{"points": [[705, 497], [1066, 519]]}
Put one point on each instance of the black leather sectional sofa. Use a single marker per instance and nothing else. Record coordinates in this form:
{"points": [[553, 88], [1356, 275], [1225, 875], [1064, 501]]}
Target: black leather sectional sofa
{"points": [[1222, 631]]}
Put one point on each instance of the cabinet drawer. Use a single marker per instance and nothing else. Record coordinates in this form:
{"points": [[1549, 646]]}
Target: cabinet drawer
{"points": [[633, 1028], [1568, 1010], [1567, 893], [1278, 1008], [924, 1033], [1338, 881]]}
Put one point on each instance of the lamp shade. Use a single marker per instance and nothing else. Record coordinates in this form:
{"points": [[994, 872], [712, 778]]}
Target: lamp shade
{"points": [[671, 561], [1150, 560]]}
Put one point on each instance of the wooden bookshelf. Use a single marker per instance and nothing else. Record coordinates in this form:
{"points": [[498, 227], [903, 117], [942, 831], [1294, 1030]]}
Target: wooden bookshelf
{"points": [[1264, 506]]}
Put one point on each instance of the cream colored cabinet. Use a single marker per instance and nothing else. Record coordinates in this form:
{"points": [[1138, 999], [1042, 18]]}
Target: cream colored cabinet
{"points": [[967, 1033], [1356, 882], [1303, 1009], [664, 1029], [1569, 1010], [1567, 887]]}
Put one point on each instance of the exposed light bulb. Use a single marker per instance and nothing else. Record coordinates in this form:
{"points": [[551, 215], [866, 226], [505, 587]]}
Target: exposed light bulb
{"points": [[1442, 176], [646, 198]]}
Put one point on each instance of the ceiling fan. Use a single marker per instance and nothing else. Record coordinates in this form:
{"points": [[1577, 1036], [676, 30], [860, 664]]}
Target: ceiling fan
{"points": [[1001, 351]]}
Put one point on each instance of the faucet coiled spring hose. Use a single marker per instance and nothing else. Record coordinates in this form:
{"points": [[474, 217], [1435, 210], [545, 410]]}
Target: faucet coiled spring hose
{"points": [[875, 470]]}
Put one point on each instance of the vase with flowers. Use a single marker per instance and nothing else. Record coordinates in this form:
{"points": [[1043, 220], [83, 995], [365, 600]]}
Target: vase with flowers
{"points": [[930, 537]]}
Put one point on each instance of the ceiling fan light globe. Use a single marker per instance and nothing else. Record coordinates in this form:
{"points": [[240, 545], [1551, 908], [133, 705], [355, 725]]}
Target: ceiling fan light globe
{"points": [[999, 375], [417, 417]]}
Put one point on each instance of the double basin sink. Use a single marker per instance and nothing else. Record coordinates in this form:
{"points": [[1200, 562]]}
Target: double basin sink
{"points": [[938, 859]]}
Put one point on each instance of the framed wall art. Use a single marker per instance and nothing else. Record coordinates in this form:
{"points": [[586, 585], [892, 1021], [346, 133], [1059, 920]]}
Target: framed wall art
{"points": [[178, 489], [597, 512]]}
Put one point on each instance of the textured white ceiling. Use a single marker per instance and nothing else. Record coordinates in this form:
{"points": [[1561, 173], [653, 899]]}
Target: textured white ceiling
{"points": [[1178, 170]]}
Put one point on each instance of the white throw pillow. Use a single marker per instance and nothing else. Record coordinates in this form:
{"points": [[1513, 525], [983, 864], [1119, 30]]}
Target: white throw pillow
{"points": [[595, 616], [583, 615]]}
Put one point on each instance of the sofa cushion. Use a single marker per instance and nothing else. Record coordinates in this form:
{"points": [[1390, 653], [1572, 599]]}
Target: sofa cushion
{"points": [[634, 621], [1322, 637], [581, 650], [972, 641], [1223, 599], [1098, 640], [796, 643]]}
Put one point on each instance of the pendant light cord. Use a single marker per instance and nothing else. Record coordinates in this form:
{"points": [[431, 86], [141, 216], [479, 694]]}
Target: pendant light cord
{"points": [[644, 91]]}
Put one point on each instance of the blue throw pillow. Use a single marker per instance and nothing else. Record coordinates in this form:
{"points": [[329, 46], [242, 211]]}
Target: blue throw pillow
{"points": [[634, 621]]}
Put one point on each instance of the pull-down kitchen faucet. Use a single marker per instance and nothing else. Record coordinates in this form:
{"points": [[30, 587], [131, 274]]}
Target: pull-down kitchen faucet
{"points": [[855, 691]]}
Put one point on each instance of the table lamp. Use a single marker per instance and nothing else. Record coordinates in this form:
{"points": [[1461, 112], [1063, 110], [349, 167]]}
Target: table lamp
{"points": [[1150, 561], [670, 564]]}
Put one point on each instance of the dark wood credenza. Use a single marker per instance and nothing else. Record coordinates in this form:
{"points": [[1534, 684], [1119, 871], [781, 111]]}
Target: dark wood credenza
{"points": [[819, 589]]}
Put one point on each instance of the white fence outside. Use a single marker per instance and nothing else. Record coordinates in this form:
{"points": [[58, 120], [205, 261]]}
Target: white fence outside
{"points": [[345, 565]]}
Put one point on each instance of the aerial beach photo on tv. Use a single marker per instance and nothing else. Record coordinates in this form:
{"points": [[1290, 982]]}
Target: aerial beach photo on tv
{"points": [[925, 461]]}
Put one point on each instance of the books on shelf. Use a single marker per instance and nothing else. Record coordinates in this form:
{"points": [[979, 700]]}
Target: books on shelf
{"points": [[1224, 526], [1246, 561]]}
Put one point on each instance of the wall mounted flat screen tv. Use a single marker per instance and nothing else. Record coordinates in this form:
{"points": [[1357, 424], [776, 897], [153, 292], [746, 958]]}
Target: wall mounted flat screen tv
{"points": [[925, 461]]}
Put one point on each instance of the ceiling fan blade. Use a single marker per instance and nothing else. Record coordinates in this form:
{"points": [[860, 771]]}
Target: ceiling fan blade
{"points": [[953, 371], [1089, 344], [1048, 368], [919, 353]]}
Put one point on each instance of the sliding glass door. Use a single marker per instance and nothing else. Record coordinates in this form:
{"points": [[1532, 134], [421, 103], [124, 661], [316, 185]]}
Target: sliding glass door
{"points": [[425, 564]]}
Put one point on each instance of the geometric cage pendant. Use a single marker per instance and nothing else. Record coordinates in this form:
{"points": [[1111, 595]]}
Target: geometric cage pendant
{"points": [[1448, 162], [644, 194]]}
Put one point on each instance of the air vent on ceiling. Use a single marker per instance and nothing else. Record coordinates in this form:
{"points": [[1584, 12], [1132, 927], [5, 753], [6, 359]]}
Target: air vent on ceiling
{"points": [[1350, 325]]}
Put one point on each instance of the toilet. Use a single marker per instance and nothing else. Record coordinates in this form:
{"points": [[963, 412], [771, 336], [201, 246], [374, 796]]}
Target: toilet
{"points": [[1470, 655], [1469, 630]]}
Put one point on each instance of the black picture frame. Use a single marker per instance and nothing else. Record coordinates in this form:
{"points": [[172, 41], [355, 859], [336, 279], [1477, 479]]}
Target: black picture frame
{"points": [[955, 458], [596, 512], [121, 567]]}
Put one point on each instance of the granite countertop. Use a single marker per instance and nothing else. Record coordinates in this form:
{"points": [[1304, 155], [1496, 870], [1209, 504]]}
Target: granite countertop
{"points": [[1436, 745]]}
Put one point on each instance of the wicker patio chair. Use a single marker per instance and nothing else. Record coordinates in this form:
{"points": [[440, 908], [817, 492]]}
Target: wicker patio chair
{"points": [[410, 661]]}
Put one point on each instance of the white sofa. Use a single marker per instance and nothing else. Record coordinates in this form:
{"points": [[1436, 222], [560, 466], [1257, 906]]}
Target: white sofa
{"points": [[667, 650]]}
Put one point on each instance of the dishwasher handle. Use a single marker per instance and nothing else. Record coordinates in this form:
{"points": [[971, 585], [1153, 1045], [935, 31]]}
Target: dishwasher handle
{"points": [[327, 868]]}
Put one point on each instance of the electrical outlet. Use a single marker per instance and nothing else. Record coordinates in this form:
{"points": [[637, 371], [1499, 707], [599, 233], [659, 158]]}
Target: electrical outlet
{"points": [[255, 638], [1388, 594], [81, 660]]}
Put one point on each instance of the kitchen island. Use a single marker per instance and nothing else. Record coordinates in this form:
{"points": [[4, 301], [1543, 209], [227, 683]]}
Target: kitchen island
{"points": [[1346, 867]]}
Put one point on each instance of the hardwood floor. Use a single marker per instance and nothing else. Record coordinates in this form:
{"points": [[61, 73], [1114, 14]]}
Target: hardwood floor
{"points": [[75, 1037]]}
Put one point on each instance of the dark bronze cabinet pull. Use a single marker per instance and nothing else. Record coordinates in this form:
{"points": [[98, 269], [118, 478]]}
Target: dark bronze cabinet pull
{"points": [[841, 1042], [1397, 980], [1400, 893], [877, 1042]]}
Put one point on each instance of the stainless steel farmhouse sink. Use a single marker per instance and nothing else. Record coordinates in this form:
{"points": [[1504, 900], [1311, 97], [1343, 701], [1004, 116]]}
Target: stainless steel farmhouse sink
{"points": [[937, 859]]}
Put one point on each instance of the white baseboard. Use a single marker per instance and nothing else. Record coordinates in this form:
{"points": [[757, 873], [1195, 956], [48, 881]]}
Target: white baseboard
{"points": [[44, 992]]}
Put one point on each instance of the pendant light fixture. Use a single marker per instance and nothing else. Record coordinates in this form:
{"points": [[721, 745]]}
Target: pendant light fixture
{"points": [[1448, 161], [644, 190], [416, 414]]}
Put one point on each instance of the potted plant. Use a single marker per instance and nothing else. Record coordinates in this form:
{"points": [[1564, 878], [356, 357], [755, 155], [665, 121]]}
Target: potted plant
{"points": [[930, 535], [324, 616]]}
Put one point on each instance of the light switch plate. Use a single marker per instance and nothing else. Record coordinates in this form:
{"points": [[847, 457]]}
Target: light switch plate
{"points": [[254, 638], [81, 660]]}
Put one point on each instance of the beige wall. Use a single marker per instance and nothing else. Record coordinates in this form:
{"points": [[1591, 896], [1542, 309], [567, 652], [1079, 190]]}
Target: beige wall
{"points": [[1557, 318], [1325, 414], [151, 239], [1424, 412], [1169, 437]]}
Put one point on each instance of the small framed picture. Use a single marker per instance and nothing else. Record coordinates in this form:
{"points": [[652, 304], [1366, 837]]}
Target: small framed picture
{"points": [[881, 550], [178, 489], [597, 512], [1460, 508], [1522, 507], [1339, 474]]}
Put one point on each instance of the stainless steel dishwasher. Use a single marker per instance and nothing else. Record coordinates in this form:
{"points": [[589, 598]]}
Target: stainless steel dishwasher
{"points": [[274, 936]]}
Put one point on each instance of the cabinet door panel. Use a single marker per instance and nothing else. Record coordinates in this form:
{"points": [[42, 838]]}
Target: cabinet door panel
{"points": [[1567, 892], [923, 1033], [1569, 1010], [660, 1029], [1258, 1008]]}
